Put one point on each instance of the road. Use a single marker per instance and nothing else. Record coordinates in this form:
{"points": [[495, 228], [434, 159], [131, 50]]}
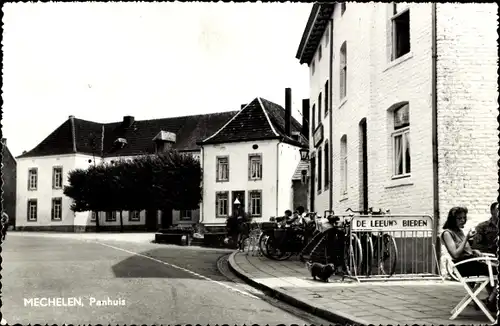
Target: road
{"points": [[145, 283]]}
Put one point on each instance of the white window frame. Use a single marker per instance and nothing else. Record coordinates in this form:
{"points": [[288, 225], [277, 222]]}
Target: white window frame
{"points": [[111, 216], [404, 133], [57, 177], [134, 216], [343, 165], [32, 179], [343, 71], [32, 213], [255, 203], [186, 214], [397, 9], [254, 166], [221, 200], [56, 209], [222, 161]]}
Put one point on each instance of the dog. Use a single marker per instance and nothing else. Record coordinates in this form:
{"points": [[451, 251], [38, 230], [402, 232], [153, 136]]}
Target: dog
{"points": [[322, 272]]}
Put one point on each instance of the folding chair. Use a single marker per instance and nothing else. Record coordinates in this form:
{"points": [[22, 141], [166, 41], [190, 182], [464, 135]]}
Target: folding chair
{"points": [[481, 283]]}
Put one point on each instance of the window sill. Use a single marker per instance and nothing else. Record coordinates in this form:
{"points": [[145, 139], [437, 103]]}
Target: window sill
{"points": [[58, 220], [221, 216], [399, 181], [222, 181], [342, 102], [32, 221], [254, 179], [398, 61]]}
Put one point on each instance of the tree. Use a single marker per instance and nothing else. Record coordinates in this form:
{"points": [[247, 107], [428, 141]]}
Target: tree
{"points": [[167, 181]]}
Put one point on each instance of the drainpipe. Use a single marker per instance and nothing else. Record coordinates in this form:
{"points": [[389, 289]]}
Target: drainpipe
{"points": [[277, 174], [330, 137], [202, 161], [435, 133]]}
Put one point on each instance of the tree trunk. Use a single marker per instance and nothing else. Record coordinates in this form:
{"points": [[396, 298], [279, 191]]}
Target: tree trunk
{"points": [[96, 221], [121, 221]]}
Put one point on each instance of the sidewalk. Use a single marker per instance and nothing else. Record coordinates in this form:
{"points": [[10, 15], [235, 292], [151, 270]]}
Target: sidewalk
{"points": [[394, 302]]}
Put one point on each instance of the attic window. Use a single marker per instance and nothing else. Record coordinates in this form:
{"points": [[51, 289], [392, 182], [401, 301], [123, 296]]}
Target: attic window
{"points": [[120, 142]]}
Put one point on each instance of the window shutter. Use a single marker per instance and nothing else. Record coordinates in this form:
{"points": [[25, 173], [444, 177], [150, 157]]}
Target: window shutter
{"points": [[217, 167], [29, 181], [250, 167]]}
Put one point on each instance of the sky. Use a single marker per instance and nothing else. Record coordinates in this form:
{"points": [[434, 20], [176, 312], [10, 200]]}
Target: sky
{"points": [[102, 61]]}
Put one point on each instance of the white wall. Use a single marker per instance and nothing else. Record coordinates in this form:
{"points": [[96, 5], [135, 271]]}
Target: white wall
{"points": [[289, 158], [238, 177]]}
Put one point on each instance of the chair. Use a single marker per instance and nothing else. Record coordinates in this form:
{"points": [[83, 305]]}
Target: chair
{"points": [[481, 282]]}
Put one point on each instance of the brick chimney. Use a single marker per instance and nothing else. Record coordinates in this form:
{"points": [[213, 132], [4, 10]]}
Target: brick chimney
{"points": [[288, 112], [128, 121], [305, 117]]}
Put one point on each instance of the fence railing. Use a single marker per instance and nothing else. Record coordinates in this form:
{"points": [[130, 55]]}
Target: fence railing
{"points": [[396, 247]]}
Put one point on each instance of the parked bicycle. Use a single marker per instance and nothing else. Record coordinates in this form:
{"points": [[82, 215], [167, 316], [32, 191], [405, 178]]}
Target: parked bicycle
{"points": [[380, 247]]}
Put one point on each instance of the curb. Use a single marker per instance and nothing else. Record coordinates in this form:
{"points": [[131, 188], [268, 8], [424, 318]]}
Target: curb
{"points": [[333, 317]]}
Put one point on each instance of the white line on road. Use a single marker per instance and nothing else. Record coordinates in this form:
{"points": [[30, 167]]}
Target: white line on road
{"points": [[183, 269]]}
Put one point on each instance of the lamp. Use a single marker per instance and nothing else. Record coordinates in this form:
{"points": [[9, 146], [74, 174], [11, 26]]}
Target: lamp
{"points": [[237, 202], [304, 154]]}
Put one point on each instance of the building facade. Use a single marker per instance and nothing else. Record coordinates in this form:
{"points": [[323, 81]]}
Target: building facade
{"points": [[9, 166], [42, 172], [249, 164], [403, 107]]}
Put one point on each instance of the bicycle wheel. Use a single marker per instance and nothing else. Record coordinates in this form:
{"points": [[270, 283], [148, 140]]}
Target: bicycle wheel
{"points": [[275, 253], [369, 255], [389, 253], [262, 243], [353, 256]]}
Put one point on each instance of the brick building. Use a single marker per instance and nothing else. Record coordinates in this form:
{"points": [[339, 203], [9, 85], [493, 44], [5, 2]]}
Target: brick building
{"points": [[403, 102]]}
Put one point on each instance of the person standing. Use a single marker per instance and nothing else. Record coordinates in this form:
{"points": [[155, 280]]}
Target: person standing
{"points": [[486, 237], [5, 224]]}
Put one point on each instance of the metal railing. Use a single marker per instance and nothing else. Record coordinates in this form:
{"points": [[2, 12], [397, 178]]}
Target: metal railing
{"points": [[395, 247]]}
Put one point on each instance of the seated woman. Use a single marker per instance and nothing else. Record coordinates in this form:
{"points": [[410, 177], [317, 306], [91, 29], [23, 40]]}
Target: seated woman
{"points": [[457, 244]]}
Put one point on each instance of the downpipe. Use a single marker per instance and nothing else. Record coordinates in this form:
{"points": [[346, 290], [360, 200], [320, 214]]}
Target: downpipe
{"points": [[277, 174], [330, 143]]}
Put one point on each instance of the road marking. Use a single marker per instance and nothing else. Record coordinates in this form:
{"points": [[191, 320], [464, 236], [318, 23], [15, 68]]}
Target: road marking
{"points": [[182, 269]]}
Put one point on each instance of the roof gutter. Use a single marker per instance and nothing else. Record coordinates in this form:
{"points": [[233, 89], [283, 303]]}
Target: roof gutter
{"points": [[330, 136], [307, 32], [435, 132]]}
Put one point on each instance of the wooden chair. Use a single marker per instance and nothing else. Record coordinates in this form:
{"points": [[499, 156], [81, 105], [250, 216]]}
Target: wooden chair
{"points": [[481, 282]]}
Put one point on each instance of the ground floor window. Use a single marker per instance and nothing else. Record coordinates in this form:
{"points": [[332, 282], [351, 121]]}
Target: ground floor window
{"points": [[134, 216], [255, 203], [222, 204], [186, 215], [93, 217], [56, 212], [32, 209], [111, 216]]}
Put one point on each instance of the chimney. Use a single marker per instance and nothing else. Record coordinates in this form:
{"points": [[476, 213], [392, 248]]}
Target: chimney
{"points": [[288, 111], [128, 121], [305, 117], [4, 141], [242, 106], [73, 132]]}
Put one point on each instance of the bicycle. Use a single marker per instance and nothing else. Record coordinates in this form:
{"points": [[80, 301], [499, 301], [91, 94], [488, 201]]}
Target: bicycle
{"points": [[380, 247]]}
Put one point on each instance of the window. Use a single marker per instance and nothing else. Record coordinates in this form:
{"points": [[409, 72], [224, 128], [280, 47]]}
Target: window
{"points": [[401, 141], [32, 179], [222, 168], [327, 165], [255, 203], [186, 215], [320, 169], [134, 216], [111, 216], [327, 35], [343, 165], [319, 53], [56, 212], [400, 23], [312, 67], [57, 177], [93, 217], [343, 71], [343, 7], [313, 120], [32, 209], [221, 203], [327, 92], [255, 167], [319, 108]]}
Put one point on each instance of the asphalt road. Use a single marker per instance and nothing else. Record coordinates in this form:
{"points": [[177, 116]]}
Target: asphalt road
{"points": [[145, 284]]}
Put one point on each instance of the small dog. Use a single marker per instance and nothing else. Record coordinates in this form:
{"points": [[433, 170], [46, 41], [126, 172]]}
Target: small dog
{"points": [[322, 272]]}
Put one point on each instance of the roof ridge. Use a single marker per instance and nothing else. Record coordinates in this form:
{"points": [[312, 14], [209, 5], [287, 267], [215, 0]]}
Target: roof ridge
{"points": [[267, 116], [227, 123]]}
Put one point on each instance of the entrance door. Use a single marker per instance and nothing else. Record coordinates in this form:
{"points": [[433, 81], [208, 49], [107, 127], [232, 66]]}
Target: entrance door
{"points": [[238, 209], [312, 182], [151, 220], [166, 218], [364, 166]]}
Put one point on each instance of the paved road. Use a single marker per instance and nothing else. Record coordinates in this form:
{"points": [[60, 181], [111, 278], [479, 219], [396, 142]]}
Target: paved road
{"points": [[149, 284]]}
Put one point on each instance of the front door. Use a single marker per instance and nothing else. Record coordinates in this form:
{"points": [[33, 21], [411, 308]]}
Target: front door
{"points": [[238, 206], [312, 183]]}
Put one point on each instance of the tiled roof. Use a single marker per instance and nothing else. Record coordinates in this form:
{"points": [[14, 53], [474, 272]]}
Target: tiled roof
{"points": [[303, 165], [139, 136], [260, 119]]}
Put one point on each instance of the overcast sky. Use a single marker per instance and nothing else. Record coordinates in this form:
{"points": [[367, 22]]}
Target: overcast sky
{"points": [[101, 61]]}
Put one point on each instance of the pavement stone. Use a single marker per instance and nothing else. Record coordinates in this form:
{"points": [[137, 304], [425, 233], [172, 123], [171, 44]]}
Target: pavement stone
{"points": [[392, 302]]}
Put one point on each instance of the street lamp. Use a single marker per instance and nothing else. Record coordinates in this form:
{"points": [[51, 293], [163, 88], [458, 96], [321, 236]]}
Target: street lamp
{"points": [[304, 154]]}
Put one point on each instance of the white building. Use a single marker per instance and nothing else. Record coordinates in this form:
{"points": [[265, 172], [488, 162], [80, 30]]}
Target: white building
{"points": [[252, 159], [42, 172], [403, 107]]}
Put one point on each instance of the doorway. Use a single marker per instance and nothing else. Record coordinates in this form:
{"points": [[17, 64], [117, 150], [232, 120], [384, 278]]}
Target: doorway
{"points": [[238, 208], [166, 218], [364, 166], [312, 182], [151, 220]]}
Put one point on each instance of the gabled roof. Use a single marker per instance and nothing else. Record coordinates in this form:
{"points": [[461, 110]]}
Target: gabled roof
{"points": [[7, 155], [259, 120], [90, 137], [313, 32]]}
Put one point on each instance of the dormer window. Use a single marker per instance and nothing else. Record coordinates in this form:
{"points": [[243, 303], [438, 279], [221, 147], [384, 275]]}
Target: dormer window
{"points": [[163, 141], [120, 142]]}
